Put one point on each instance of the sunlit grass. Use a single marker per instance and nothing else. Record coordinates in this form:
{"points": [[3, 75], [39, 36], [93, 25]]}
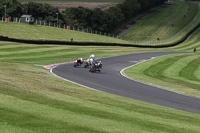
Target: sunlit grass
{"points": [[33, 100], [39, 32], [174, 72], [159, 25]]}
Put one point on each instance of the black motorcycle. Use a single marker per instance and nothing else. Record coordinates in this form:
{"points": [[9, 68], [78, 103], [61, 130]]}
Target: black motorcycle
{"points": [[96, 67]]}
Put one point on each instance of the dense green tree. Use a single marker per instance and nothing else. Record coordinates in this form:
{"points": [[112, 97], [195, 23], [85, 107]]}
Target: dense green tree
{"points": [[98, 20], [77, 16], [13, 8], [116, 15], [130, 8], [144, 4], [41, 11]]}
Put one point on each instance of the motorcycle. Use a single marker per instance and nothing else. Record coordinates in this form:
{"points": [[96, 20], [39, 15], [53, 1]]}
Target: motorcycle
{"points": [[78, 62], [88, 62], [96, 67]]}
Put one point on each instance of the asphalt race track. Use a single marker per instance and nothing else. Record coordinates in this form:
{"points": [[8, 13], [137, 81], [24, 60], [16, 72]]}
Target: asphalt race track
{"points": [[111, 81]]}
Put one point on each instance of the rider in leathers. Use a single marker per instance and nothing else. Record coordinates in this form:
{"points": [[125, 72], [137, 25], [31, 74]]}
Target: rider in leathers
{"points": [[92, 58]]}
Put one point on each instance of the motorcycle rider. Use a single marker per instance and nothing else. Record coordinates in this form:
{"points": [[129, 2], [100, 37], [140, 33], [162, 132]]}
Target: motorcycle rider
{"points": [[91, 58], [80, 59]]}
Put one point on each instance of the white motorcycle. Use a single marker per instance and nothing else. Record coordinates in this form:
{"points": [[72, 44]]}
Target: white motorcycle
{"points": [[88, 62]]}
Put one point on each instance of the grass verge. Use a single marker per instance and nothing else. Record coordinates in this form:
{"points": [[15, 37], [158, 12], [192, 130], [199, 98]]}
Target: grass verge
{"points": [[173, 72]]}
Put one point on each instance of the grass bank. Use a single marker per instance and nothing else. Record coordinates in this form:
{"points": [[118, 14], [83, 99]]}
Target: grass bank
{"points": [[174, 21], [177, 72], [39, 32]]}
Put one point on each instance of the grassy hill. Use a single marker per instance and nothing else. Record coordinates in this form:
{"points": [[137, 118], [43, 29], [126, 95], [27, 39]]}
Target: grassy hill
{"points": [[39, 32], [159, 25]]}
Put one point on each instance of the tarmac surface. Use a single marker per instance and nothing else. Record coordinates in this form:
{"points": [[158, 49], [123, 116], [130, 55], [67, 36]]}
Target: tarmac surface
{"points": [[110, 80]]}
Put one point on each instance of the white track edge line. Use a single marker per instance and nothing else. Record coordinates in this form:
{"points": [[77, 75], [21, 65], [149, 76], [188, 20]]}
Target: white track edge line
{"points": [[121, 72], [51, 71]]}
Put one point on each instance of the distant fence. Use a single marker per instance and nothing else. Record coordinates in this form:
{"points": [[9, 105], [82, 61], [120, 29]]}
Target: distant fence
{"points": [[63, 26], [2, 38]]}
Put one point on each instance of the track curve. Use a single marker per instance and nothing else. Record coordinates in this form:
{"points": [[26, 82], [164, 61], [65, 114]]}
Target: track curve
{"points": [[111, 81]]}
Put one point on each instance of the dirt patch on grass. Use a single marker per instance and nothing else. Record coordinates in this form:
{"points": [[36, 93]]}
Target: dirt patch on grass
{"points": [[91, 5]]}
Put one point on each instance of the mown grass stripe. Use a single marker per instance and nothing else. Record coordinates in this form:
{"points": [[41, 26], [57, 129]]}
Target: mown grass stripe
{"points": [[33, 52], [174, 70], [188, 72], [157, 70], [162, 72], [196, 73], [35, 122], [75, 108], [11, 49]]}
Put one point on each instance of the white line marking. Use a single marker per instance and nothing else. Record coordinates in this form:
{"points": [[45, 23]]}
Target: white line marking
{"points": [[121, 72], [51, 71]]}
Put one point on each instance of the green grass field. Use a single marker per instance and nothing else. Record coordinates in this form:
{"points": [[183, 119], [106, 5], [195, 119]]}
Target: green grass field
{"points": [[175, 72], [159, 25], [178, 73], [48, 54], [33, 100], [39, 32]]}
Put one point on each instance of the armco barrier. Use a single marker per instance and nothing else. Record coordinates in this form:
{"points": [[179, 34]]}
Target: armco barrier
{"points": [[2, 38]]}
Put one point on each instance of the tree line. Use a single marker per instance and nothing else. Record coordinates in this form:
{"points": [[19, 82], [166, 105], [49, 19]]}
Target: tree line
{"points": [[95, 19]]}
